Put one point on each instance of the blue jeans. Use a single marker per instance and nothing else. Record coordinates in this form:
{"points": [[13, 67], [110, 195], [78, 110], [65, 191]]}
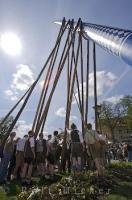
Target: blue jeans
{"points": [[4, 166], [130, 156]]}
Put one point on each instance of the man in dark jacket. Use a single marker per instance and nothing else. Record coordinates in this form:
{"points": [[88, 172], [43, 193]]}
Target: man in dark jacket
{"points": [[7, 155], [76, 148], [29, 157]]}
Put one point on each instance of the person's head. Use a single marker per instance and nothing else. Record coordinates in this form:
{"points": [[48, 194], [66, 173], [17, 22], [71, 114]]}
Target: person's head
{"points": [[73, 126], [12, 135], [99, 132], [30, 133], [89, 126], [25, 137], [41, 136], [55, 133], [49, 137]]}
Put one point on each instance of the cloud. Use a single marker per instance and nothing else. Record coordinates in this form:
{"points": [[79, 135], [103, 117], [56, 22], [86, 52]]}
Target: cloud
{"points": [[11, 95], [114, 99], [23, 128], [73, 118], [105, 80], [61, 112], [22, 80]]}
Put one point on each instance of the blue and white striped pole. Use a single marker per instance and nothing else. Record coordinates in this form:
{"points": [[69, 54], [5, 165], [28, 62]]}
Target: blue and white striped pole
{"points": [[115, 40]]}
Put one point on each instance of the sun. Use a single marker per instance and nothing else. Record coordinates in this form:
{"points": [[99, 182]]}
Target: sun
{"points": [[11, 44]]}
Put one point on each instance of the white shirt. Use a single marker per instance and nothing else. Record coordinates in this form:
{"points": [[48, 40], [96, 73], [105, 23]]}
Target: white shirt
{"points": [[91, 136], [102, 137], [20, 144], [53, 139], [32, 142]]}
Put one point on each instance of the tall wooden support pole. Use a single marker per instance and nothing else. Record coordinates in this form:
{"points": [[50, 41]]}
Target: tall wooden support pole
{"points": [[95, 87], [82, 88], [87, 85]]}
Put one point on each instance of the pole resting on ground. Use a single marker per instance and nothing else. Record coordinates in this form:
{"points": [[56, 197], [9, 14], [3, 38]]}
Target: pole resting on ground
{"points": [[115, 40]]}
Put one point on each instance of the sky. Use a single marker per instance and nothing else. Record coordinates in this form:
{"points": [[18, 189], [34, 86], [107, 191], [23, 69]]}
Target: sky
{"points": [[32, 21]]}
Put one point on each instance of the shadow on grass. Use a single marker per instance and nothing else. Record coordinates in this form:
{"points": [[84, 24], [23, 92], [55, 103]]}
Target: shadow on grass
{"points": [[123, 191]]}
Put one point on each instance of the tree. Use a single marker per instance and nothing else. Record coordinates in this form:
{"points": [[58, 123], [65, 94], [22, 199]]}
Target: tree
{"points": [[110, 115], [5, 126], [126, 102]]}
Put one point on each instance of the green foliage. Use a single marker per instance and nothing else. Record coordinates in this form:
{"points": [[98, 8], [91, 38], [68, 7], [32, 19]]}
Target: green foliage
{"points": [[14, 189], [5, 126], [110, 115], [79, 187], [129, 117], [118, 178], [120, 165], [116, 197], [126, 101], [3, 195], [121, 173]]}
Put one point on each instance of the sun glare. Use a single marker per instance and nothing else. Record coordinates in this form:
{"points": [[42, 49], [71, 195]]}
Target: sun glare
{"points": [[10, 43]]}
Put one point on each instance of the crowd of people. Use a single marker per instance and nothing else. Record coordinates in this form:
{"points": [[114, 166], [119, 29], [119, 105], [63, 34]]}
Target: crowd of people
{"points": [[119, 151], [23, 157]]}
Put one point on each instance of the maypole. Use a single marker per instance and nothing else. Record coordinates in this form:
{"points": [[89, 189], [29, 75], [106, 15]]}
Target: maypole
{"points": [[115, 40]]}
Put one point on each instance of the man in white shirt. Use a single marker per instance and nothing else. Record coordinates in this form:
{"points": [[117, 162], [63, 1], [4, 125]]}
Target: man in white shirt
{"points": [[50, 156], [19, 155], [95, 142]]}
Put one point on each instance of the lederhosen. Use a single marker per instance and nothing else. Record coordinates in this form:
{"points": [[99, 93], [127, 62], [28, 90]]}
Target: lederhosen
{"points": [[41, 156], [76, 146], [28, 154], [50, 156]]}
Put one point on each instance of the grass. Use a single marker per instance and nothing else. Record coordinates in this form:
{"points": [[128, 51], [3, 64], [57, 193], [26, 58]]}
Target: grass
{"points": [[121, 173]]}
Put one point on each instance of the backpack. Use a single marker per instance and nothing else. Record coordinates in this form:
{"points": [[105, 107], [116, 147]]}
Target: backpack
{"points": [[55, 143], [1, 151], [44, 146], [27, 150], [75, 136]]}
